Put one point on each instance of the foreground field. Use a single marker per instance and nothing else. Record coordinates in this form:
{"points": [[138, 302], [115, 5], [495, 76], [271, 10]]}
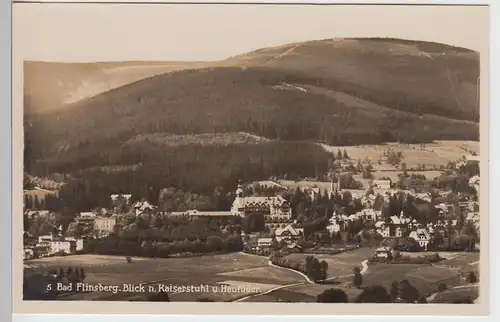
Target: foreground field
{"points": [[251, 279], [242, 273], [425, 278], [449, 296], [339, 264]]}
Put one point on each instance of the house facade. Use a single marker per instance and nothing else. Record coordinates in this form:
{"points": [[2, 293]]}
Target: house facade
{"points": [[42, 250], [85, 219], [394, 227], [421, 236], [275, 209], [368, 214], [66, 246], [382, 184], [104, 224], [335, 225], [264, 242], [288, 234], [79, 242]]}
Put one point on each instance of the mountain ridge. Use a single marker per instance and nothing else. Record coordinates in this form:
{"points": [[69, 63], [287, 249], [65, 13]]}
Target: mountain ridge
{"points": [[42, 78], [336, 92]]}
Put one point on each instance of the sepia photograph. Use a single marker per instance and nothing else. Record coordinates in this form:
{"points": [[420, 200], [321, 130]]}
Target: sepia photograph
{"points": [[301, 166]]}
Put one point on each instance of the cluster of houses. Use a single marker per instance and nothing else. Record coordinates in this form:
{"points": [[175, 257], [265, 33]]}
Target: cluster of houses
{"points": [[277, 214], [100, 223], [289, 235], [51, 245], [393, 227]]}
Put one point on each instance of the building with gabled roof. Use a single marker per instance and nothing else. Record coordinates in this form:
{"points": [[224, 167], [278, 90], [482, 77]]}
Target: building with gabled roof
{"points": [[274, 209], [421, 236], [143, 206], [289, 234], [394, 226]]}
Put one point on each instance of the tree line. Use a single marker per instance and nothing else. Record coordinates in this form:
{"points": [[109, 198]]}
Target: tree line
{"points": [[196, 169], [314, 269]]}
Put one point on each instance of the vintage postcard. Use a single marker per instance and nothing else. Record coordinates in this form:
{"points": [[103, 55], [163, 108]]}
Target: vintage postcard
{"points": [[257, 154]]}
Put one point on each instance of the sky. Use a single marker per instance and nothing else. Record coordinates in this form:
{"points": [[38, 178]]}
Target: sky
{"points": [[114, 32]]}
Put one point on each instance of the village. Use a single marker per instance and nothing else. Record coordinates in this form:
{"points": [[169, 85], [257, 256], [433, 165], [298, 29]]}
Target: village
{"points": [[351, 216]]}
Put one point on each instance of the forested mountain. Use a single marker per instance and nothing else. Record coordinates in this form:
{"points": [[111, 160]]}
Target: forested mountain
{"points": [[191, 128]]}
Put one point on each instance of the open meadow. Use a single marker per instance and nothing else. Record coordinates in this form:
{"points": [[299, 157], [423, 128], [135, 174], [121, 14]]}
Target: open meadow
{"points": [[431, 155], [236, 270], [425, 277], [339, 264]]}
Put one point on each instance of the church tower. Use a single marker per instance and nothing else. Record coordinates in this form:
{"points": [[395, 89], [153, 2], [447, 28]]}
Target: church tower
{"points": [[238, 201]]}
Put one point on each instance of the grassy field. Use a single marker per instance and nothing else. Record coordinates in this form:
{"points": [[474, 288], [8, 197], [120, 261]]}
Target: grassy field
{"points": [[431, 155], [460, 259], [451, 295], [39, 194], [463, 262], [235, 270], [339, 264], [247, 274], [425, 278]]}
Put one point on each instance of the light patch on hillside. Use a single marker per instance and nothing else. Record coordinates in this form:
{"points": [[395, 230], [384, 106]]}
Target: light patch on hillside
{"points": [[173, 140], [53, 184], [117, 168], [431, 155], [289, 87], [386, 47]]}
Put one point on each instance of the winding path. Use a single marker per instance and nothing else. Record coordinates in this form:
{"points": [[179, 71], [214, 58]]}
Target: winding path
{"points": [[364, 269]]}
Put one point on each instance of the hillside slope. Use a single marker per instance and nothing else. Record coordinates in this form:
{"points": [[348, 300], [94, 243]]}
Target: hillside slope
{"points": [[432, 77], [339, 92], [413, 76]]}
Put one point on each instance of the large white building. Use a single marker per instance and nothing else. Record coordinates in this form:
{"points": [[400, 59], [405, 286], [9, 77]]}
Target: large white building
{"points": [[275, 208], [105, 224]]}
